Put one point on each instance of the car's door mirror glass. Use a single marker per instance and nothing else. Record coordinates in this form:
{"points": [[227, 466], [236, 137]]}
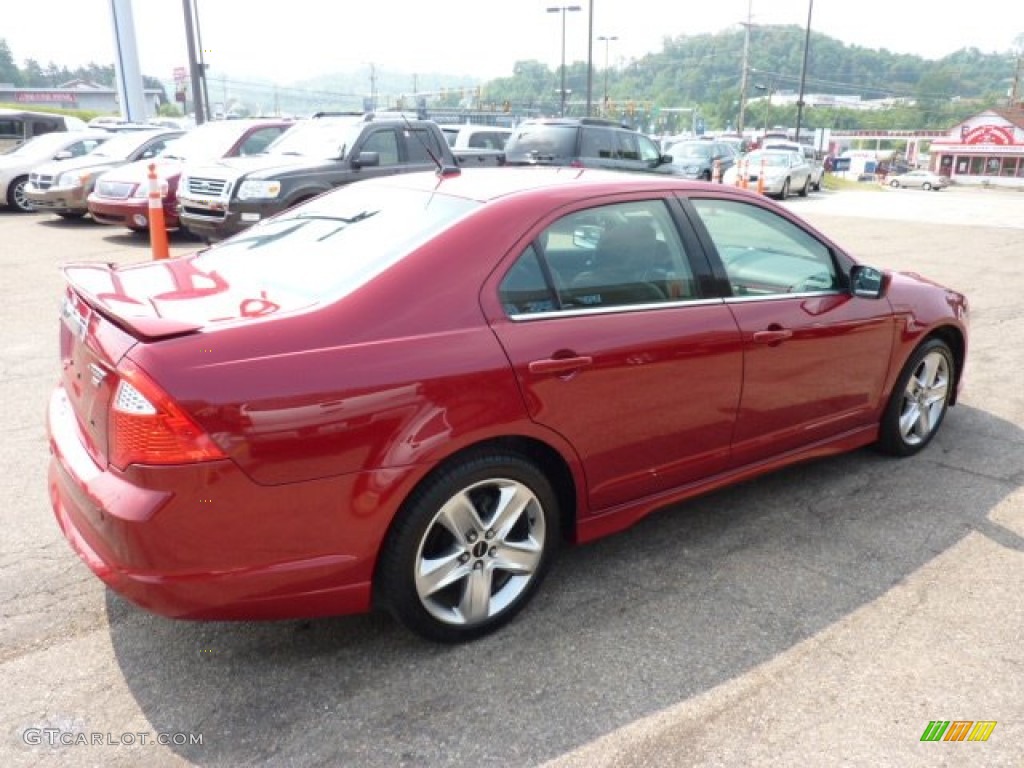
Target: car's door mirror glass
{"points": [[866, 282]]}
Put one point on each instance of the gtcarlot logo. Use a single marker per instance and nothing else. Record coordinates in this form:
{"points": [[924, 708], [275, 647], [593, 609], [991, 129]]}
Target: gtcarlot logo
{"points": [[56, 737], [958, 730]]}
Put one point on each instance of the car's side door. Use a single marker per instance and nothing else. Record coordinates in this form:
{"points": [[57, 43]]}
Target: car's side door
{"points": [[617, 348], [815, 356]]}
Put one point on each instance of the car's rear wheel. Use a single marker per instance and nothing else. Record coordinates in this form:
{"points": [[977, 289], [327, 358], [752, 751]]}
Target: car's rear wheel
{"points": [[16, 197], [894, 183], [469, 547], [926, 186], [919, 400]]}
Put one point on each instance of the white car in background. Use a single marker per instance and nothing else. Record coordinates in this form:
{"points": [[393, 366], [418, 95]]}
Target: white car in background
{"points": [[809, 154], [783, 170], [16, 165]]}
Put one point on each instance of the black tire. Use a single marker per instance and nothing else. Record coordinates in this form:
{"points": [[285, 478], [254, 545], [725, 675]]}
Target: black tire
{"points": [[805, 188], [919, 400], [71, 215], [927, 187], [504, 513], [894, 184], [785, 190], [16, 197]]}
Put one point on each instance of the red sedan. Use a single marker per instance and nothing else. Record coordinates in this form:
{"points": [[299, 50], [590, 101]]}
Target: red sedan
{"points": [[407, 392], [121, 196]]}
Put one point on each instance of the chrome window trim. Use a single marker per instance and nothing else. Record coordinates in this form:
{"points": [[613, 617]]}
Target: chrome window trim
{"points": [[616, 310], [781, 296]]}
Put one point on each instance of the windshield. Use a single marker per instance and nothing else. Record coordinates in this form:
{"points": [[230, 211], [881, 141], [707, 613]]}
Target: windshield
{"points": [[698, 151], [122, 145], [42, 146], [544, 140], [318, 138], [210, 141], [329, 247], [770, 158]]}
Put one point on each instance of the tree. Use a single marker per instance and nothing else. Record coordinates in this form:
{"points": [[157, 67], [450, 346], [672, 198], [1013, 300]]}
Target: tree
{"points": [[9, 72]]}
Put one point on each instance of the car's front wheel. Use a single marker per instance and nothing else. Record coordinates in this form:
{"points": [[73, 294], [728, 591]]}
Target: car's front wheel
{"points": [[894, 184], [16, 197], [785, 190], [470, 547], [919, 400], [926, 186]]}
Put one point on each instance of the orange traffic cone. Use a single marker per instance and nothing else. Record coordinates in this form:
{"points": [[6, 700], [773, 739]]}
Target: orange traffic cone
{"points": [[760, 178], [157, 225]]}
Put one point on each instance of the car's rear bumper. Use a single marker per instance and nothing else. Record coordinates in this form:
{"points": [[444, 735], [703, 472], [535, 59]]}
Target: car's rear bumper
{"points": [[204, 541]]}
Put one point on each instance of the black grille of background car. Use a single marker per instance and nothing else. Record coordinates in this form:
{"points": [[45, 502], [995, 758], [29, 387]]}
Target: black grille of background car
{"points": [[207, 187], [41, 182]]}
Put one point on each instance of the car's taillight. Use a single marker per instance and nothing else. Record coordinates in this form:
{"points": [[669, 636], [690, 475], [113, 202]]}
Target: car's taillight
{"points": [[148, 427]]}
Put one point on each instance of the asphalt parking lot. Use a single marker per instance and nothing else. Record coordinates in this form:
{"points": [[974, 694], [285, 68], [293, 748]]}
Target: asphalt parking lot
{"points": [[824, 615]]}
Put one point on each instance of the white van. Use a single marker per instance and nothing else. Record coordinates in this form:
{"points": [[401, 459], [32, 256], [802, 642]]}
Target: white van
{"points": [[18, 126], [817, 168]]}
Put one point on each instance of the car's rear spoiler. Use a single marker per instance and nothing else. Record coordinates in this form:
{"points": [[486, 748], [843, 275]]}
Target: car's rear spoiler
{"points": [[99, 286]]}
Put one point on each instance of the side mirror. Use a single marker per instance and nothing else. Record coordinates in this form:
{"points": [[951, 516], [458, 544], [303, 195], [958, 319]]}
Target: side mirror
{"points": [[866, 282], [366, 159]]}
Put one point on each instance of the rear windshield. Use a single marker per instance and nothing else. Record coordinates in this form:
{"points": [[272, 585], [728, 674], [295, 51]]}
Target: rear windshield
{"points": [[329, 247], [543, 141]]}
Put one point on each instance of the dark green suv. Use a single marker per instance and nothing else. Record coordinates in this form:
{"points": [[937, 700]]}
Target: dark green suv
{"points": [[584, 143]]}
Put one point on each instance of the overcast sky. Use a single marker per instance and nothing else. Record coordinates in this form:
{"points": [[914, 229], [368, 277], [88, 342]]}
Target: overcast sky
{"points": [[294, 39]]}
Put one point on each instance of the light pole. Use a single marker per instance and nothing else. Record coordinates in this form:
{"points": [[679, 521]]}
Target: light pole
{"points": [[607, 39], [562, 10], [768, 90]]}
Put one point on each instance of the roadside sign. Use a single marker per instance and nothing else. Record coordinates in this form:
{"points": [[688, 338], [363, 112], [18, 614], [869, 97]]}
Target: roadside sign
{"points": [[180, 74]]}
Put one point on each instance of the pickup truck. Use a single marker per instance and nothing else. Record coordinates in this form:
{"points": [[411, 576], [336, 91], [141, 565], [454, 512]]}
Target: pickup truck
{"points": [[477, 145], [219, 200]]}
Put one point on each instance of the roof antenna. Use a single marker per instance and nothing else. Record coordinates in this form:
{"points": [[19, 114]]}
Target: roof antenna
{"points": [[443, 170]]}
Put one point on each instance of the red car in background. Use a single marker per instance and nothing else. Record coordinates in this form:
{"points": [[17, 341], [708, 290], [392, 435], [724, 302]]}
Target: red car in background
{"points": [[406, 392], [121, 196]]}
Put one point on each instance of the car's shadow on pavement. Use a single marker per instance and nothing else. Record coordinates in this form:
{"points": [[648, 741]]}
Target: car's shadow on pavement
{"points": [[684, 601]]}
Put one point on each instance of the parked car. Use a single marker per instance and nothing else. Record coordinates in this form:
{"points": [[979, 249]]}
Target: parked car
{"points": [[809, 154], [18, 126], [922, 179], [405, 393], [219, 199], [63, 187], [121, 195], [587, 142], [477, 145], [696, 159], [784, 171], [18, 163]]}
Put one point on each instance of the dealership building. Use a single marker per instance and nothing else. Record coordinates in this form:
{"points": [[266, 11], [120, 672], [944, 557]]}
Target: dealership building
{"points": [[77, 94], [985, 149]]}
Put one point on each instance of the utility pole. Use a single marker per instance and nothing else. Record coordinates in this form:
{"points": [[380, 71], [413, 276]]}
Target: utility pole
{"points": [[590, 58], [373, 87], [194, 67], [746, 67], [803, 71]]}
